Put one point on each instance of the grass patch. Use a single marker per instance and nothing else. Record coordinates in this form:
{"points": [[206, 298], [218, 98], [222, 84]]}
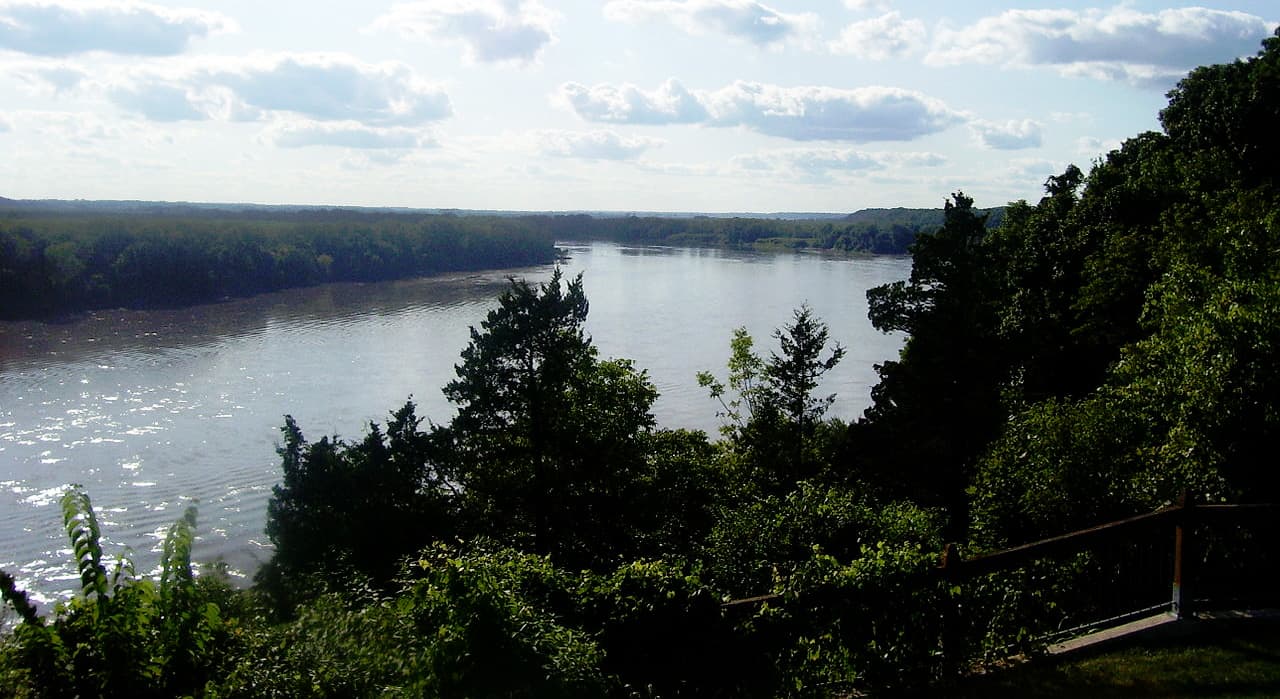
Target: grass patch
{"points": [[1209, 659]]}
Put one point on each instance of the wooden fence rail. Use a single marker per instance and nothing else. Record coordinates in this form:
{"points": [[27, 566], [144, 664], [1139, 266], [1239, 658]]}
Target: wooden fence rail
{"points": [[1196, 536], [1183, 558]]}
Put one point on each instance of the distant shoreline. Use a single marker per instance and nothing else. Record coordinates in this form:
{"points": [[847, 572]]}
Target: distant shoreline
{"points": [[59, 257]]}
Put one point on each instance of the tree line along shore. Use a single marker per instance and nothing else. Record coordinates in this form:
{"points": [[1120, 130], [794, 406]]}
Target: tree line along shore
{"points": [[60, 257], [1100, 352]]}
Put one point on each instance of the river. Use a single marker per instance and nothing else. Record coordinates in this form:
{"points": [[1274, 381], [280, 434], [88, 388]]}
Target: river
{"points": [[152, 410]]}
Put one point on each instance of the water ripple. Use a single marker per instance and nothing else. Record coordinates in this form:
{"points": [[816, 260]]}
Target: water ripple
{"points": [[151, 410]]}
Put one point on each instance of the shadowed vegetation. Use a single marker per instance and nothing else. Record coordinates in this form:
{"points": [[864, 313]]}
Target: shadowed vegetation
{"points": [[1097, 353]]}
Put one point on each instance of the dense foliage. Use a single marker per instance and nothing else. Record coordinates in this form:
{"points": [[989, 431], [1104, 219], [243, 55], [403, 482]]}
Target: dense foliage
{"points": [[1105, 347], [1096, 353], [877, 231], [57, 257], [63, 262], [122, 635]]}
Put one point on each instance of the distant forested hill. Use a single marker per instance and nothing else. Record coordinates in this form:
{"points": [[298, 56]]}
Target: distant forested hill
{"points": [[923, 218]]}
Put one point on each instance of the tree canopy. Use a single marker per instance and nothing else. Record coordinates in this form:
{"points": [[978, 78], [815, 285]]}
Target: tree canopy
{"points": [[1103, 349], [1114, 339]]}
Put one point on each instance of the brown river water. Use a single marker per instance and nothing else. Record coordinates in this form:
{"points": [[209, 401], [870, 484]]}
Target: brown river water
{"points": [[152, 410]]}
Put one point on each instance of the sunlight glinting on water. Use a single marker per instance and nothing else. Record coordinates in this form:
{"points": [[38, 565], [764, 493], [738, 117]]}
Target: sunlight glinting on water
{"points": [[153, 410]]}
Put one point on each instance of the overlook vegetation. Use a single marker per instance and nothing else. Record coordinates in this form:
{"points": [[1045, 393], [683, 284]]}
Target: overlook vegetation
{"points": [[1099, 351]]}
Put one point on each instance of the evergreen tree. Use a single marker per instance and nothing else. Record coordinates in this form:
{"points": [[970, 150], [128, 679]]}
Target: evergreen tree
{"points": [[345, 514], [938, 405], [775, 418], [548, 441]]}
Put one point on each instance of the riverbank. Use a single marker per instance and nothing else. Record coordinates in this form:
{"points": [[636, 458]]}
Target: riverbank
{"points": [[56, 260], [54, 264], [149, 408]]}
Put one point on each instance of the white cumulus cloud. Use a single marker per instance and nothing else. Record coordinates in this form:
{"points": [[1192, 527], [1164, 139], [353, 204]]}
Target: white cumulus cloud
{"points": [[56, 77], [62, 77], [336, 87], [80, 129], [826, 162], [1116, 44], [881, 38], [810, 113], [866, 4], [1032, 169], [748, 20], [360, 161], [493, 31], [805, 113], [66, 27], [1014, 134], [346, 134], [915, 159], [593, 145], [813, 162], [157, 101], [671, 103], [1093, 147], [324, 87]]}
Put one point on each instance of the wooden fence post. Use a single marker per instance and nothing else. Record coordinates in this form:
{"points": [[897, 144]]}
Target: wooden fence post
{"points": [[1183, 556], [952, 652]]}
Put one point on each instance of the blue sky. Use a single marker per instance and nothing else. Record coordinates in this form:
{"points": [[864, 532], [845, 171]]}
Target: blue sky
{"points": [[624, 105]]}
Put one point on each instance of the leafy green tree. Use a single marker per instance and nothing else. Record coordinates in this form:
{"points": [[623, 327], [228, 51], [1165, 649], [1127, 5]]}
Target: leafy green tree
{"points": [[746, 381], [60, 261], [674, 501], [1150, 367], [938, 405], [792, 378], [1062, 465], [756, 546], [548, 443], [344, 514], [1224, 115], [664, 633], [868, 626], [774, 417], [1042, 252]]}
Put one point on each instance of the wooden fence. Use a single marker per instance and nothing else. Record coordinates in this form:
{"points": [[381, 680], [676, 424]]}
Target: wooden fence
{"points": [[1184, 558], [1181, 559]]}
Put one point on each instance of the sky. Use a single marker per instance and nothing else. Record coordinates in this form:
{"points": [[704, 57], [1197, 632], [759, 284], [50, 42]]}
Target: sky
{"points": [[610, 105]]}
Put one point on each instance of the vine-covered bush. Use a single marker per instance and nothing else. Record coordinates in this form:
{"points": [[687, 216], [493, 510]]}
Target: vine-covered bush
{"points": [[875, 622], [760, 543], [463, 624]]}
